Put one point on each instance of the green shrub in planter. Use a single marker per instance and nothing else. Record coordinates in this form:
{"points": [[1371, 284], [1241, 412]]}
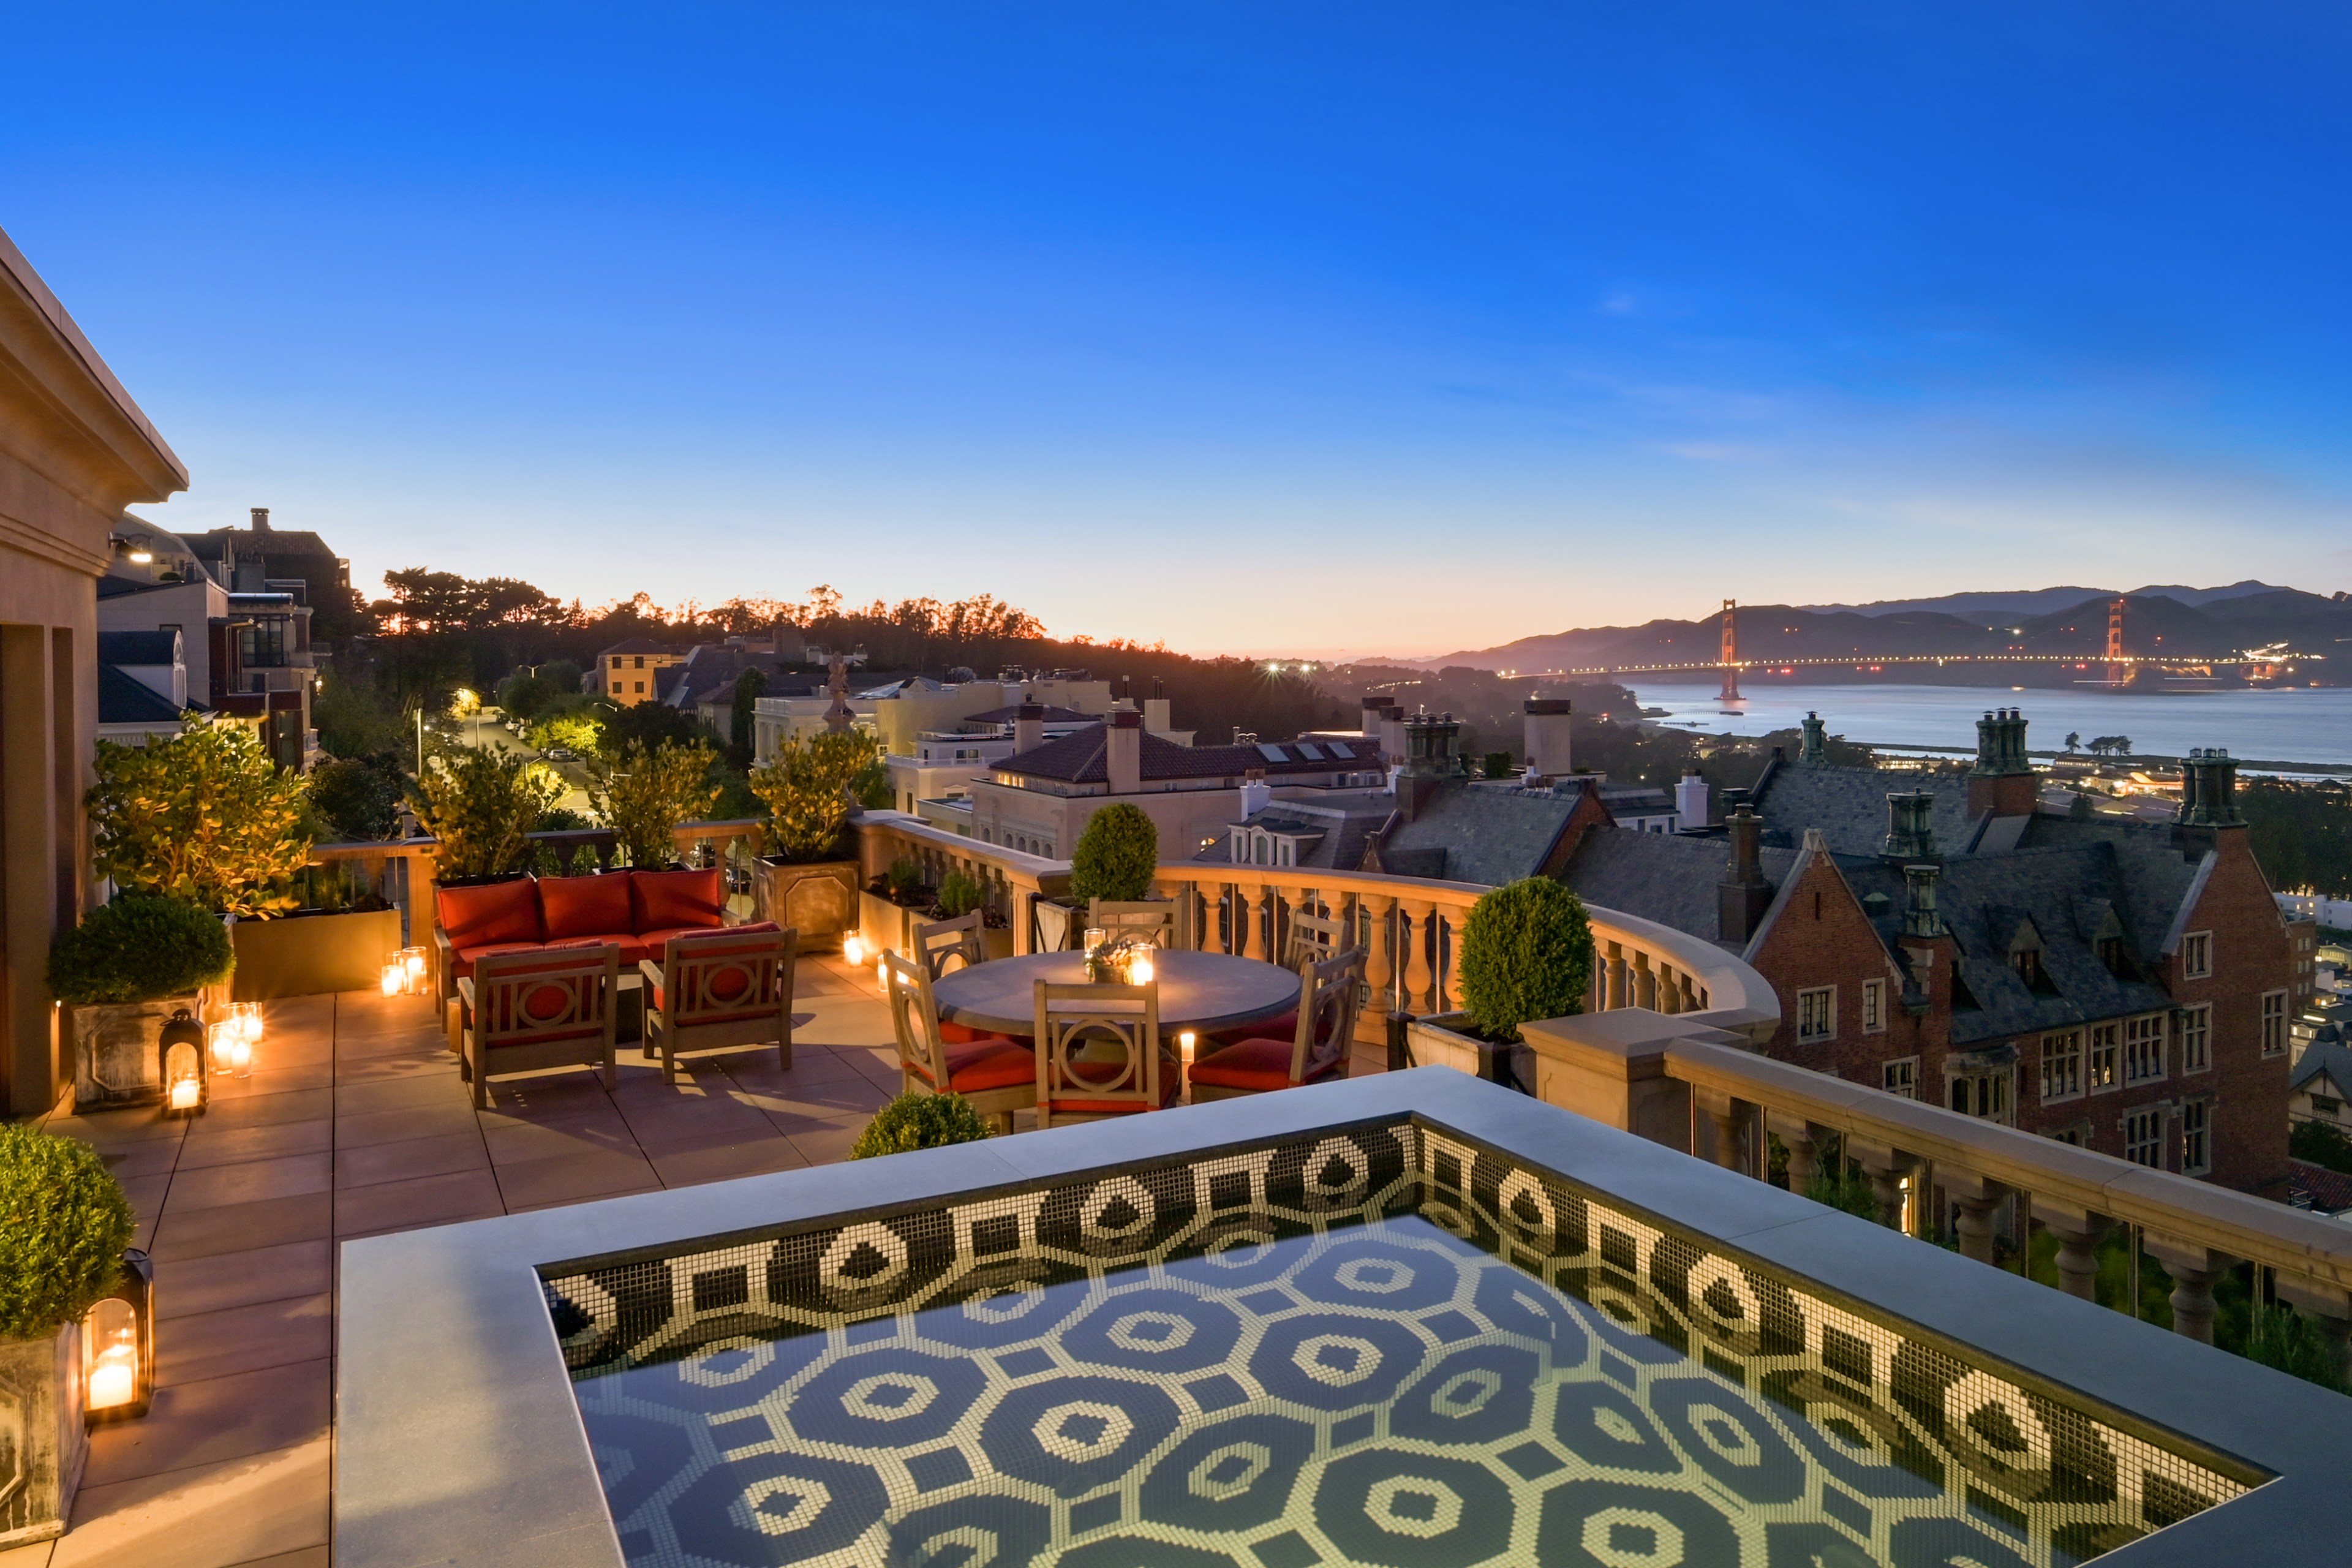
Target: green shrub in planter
{"points": [[64, 1222], [959, 895], [139, 948], [920, 1122], [1118, 855], [1527, 952]]}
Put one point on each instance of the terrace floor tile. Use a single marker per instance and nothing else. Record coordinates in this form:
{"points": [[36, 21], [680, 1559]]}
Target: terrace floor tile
{"points": [[404, 1094], [306, 1104], [268, 1077], [217, 1419], [211, 1145], [373, 1163], [246, 1338], [421, 1201], [400, 1126], [241, 1227], [147, 1157], [286, 1176], [570, 1178], [112, 1128], [686, 1165], [258, 1508], [518, 1145], [186, 1287]]}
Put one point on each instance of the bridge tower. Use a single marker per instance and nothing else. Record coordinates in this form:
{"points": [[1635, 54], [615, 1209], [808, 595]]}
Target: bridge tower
{"points": [[1730, 651], [2118, 672]]}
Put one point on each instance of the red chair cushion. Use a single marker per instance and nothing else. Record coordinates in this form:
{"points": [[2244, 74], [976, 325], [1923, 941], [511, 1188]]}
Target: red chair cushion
{"points": [[990, 1061], [960, 1034], [1283, 1028], [663, 900], [465, 956], [1259, 1064], [583, 906], [493, 914]]}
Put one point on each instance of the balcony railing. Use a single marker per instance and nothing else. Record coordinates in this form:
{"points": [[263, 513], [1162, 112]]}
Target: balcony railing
{"points": [[1704, 1094]]}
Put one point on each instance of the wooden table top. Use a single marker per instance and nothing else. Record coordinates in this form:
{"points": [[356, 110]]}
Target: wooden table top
{"points": [[1198, 990]]}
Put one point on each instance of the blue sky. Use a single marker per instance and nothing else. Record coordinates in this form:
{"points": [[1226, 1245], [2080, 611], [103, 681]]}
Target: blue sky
{"points": [[1276, 328]]}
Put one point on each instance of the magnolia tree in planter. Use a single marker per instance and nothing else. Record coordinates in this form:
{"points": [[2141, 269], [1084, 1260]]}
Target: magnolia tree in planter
{"points": [[481, 806], [646, 794], [205, 816], [1526, 953], [808, 880], [122, 972], [64, 1222]]}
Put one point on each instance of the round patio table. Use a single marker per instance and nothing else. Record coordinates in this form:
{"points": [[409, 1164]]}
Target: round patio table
{"points": [[1198, 990]]}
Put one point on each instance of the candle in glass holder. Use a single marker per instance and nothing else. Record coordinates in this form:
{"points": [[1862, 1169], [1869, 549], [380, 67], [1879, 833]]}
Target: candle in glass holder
{"points": [[412, 963], [1185, 1045], [1139, 968], [394, 978], [853, 949]]}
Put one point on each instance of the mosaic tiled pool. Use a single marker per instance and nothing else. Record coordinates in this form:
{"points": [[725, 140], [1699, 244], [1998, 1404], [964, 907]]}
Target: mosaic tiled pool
{"points": [[1385, 1346]]}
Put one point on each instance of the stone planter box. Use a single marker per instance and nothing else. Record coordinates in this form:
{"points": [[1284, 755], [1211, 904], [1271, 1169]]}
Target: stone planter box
{"points": [[114, 1051], [1443, 1040], [42, 1441], [886, 924], [818, 898], [311, 955], [995, 943]]}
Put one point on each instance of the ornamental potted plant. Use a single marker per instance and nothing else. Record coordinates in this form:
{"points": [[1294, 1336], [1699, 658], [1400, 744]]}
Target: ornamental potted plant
{"points": [[481, 807], [64, 1222], [644, 796], [809, 878], [1116, 860], [122, 973], [889, 905], [920, 1121], [1526, 954], [959, 895]]}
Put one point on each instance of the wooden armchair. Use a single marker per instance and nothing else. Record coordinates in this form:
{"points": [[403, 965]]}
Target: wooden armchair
{"points": [[720, 991], [1161, 923], [936, 942], [995, 1072], [1317, 1050], [1306, 939], [522, 1011], [1099, 1053]]}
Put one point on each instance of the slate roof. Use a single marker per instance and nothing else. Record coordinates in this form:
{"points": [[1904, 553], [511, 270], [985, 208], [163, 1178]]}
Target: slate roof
{"points": [[2065, 892], [1849, 806], [1053, 716], [1345, 830], [137, 647], [1662, 877], [1487, 835], [209, 545], [126, 699], [2325, 1055], [2330, 1192], [636, 645], [1077, 758]]}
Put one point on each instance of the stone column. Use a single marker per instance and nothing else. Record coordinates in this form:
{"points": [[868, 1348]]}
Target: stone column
{"points": [[2329, 1307], [1379, 961], [1251, 902], [1412, 927], [1645, 988], [1803, 1156], [2194, 1268], [1724, 1115], [2078, 1233], [1616, 963], [1977, 1200], [1670, 992], [1885, 1168], [1448, 930]]}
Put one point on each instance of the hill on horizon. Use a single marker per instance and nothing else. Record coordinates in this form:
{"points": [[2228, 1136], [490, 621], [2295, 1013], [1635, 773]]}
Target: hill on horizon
{"points": [[2192, 623]]}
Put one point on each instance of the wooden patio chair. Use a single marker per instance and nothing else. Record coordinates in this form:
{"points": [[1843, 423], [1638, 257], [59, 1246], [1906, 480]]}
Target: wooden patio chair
{"points": [[721, 990], [1308, 938], [1161, 923], [522, 1011], [1317, 1050], [1100, 1053], [936, 942], [996, 1073]]}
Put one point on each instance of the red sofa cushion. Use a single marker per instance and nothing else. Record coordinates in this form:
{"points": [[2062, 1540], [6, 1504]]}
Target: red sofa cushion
{"points": [[491, 913], [670, 900], [1259, 1064], [585, 906], [632, 946], [992, 1061]]}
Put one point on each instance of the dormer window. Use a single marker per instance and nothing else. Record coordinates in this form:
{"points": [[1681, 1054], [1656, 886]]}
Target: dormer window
{"points": [[2027, 961]]}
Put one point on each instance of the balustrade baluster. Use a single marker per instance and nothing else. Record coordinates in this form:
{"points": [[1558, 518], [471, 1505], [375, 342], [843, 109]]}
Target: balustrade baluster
{"points": [[1413, 923], [1252, 900], [1380, 960]]}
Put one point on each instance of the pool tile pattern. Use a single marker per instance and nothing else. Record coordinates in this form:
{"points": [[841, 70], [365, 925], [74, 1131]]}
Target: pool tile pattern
{"points": [[1385, 1346]]}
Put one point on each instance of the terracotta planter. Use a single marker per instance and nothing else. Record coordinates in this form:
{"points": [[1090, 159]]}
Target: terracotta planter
{"points": [[1442, 1039], [818, 898], [114, 1051], [42, 1441], [310, 955]]}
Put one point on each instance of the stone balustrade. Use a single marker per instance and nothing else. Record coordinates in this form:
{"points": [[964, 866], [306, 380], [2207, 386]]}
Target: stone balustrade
{"points": [[1701, 1092]]}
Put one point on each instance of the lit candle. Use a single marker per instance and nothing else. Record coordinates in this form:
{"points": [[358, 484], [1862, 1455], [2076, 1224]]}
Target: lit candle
{"points": [[1185, 1043], [114, 1378], [1139, 970], [183, 1094], [250, 1022], [394, 978], [413, 959], [853, 948]]}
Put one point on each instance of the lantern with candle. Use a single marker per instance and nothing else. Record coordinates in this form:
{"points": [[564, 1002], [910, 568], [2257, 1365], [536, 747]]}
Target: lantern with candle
{"points": [[853, 950], [413, 970], [118, 1345], [183, 1065]]}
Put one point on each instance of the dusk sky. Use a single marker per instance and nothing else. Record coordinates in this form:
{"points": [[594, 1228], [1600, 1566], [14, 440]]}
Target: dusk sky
{"points": [[1288, 328]]}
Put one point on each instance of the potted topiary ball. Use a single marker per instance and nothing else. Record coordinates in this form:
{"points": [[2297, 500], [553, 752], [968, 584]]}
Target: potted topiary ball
{"points": [[64, 1222], [1526, 954], [1116, 858], [122, 972], [920, 1121]]}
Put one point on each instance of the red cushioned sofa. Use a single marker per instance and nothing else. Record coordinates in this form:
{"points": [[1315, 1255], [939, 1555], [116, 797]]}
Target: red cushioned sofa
{"points": [[638, 911]]}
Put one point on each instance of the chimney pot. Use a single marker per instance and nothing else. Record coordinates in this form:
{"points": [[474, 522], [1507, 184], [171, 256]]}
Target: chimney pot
{"points": [[261, 519], [1744, 893]]}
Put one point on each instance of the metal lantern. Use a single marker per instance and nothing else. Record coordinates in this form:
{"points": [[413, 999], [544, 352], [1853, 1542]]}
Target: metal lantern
{"points": [[183, 1064], [118, 1346]]}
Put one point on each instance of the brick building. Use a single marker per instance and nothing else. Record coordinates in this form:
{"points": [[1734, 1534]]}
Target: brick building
{"points": [[2123, 986]]}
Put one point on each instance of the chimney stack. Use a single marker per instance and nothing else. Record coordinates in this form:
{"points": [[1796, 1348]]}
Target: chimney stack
{"points": [[1744, 894], [2002, 782], [1392, 734], [1547, 719], [1028, 727], [1919, 917], [1375, 710], [2208, 799], [1123, 751], [1814, 750], [261, 519], [1256, 793], [1910, 826], [1428, 761], [1690, 802], [1155, 714]]}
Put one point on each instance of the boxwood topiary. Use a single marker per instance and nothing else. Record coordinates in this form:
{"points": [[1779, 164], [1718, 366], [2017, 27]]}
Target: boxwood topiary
{"points": [[1527, 952], [1118, 855], [137, 949], [920, 1122], [64, 1222]]}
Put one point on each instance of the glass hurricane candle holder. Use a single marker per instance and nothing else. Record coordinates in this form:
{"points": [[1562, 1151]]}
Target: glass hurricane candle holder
{"points": [[413, 970], [118, 1346], [182, 1064], [394, 978], [853, 950]]}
